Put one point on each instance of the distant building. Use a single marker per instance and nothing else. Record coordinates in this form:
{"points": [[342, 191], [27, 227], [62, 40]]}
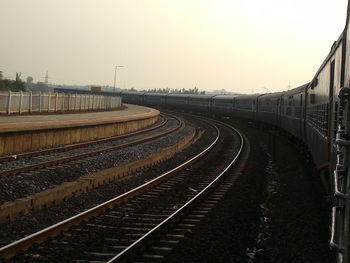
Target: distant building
{"points": [[39, 87]]}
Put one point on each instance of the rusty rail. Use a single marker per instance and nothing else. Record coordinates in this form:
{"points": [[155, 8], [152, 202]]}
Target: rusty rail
{"points": [[11, 249], [86, 155], [146, 239], [77, 145]]}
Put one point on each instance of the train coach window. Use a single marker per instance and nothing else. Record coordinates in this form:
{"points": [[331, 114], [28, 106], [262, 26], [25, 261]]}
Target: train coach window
{"points": [[312, 98], [318, 118], [290, 101]]}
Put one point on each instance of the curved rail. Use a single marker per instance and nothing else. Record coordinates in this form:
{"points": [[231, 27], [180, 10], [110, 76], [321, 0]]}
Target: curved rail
{"points": [[141, 242], [65, 148], [88, 154], [11, 249]]}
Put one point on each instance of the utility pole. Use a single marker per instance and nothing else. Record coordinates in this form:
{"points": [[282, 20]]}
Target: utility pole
{"points": [[115, 76]]}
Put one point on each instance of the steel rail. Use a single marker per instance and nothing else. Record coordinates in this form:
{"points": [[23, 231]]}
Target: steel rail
{"points": [[11, 249], [69, 147], [88, 154], [145, 239]]}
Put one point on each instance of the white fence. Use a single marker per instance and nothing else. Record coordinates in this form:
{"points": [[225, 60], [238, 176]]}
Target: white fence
{"points": [[22, 102]]}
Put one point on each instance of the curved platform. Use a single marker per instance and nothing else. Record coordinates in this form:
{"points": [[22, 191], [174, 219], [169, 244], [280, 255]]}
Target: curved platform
{"points": [[32, 132]]}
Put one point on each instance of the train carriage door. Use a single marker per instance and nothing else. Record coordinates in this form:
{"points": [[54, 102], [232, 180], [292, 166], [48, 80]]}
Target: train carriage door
{"points": [[301, 116], [305, 111], [279, 111], [329, 108], [233, 107], [282, 111], [255, 108]]}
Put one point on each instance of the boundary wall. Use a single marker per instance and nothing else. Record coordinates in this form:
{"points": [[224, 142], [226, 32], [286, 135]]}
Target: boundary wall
{"points": [[29, 102]]}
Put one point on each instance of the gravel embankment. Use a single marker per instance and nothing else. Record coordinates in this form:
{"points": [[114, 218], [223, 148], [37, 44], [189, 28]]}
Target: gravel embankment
{"points": [[57, 155], [31, 223], [165, 202], [276, 212], [25, 184]]}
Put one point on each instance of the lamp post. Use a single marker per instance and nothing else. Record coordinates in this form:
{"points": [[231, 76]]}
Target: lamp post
{"points": [[115, 76]]}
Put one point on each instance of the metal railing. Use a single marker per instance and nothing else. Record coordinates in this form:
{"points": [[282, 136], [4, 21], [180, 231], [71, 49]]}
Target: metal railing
{"points": [[339, 241], [29, 102]]}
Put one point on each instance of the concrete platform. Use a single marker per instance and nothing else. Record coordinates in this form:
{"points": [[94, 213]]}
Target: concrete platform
{"points": [[53, 121], [32, 132]]}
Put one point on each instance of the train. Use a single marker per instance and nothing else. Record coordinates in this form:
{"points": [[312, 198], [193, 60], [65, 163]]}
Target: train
{"points": [[296, 111], [316, 113]]}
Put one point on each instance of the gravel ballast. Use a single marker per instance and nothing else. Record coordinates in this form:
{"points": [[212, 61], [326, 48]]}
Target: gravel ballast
{"points": [[276, 212], [24, 184], [31, 223]]}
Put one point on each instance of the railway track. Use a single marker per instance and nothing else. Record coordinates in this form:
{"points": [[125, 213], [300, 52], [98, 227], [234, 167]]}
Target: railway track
{"points": [[85, 152], [139, 215], [158, 242], [19, 156]]}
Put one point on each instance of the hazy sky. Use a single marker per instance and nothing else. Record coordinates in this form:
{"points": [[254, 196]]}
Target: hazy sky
{"points": [[238, 45]]}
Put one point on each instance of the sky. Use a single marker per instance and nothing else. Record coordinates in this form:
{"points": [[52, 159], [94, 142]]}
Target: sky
{"points": [[244, 46]]}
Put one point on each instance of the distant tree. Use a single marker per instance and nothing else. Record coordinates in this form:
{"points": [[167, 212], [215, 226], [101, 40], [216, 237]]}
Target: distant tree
{"points": [[19, 85], [167, 90], [6, 84], [38, 87], [2, 85], [12, 85], [29, 80]]}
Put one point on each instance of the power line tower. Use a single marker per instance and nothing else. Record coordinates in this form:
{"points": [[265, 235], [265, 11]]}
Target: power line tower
{"points": [[46, 77]]}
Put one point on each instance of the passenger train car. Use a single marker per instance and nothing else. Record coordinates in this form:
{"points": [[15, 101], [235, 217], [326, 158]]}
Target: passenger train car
{"points": [[296, 111], [316, 113], [293, 110]]}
